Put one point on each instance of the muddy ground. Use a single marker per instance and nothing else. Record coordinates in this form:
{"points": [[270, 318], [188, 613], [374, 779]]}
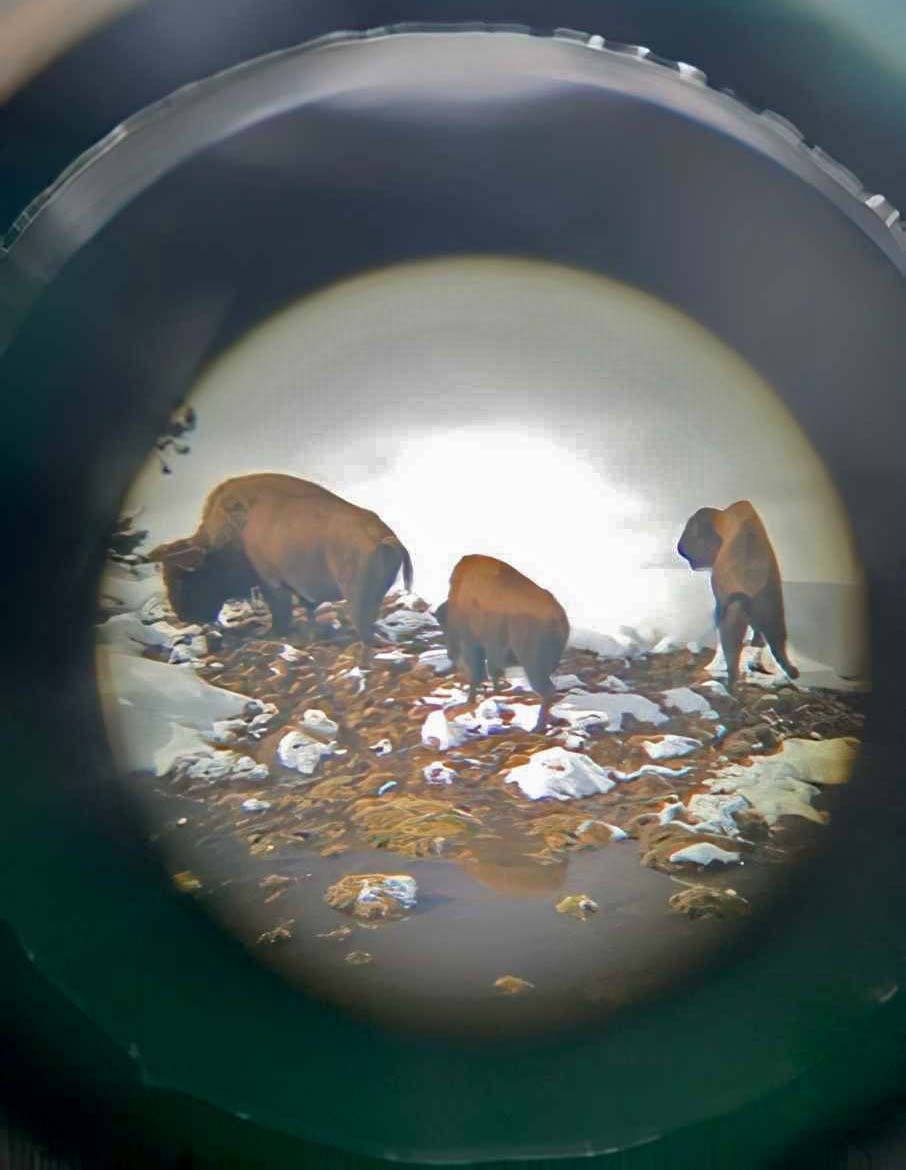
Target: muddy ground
{"points": [[267, 848]]}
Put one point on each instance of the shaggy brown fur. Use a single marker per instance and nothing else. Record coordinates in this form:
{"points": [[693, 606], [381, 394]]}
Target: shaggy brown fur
{"points": [[293, 538], [745, 580], [494, 615]]}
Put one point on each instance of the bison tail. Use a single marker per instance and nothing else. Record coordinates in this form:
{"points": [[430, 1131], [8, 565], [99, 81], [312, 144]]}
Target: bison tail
{"points": [[407, 568]]}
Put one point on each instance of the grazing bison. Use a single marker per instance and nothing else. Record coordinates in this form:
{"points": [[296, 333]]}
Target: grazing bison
{"points": [[291, 538], [745, 580], [494, 616]]}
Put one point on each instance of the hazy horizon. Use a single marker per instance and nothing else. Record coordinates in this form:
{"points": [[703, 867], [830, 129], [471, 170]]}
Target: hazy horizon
{"points": [[561, 421]]}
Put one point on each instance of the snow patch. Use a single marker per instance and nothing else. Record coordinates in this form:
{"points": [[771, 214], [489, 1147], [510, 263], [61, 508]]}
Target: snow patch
{"points": [[300, 752], [154, 713], [704, 853], [612, 707], [689, 702], [439, 661], [401, 887], [560, 774], [438, 773], [714, 813], [668, 747], [402, 624], [787, 783], [318, 723]]}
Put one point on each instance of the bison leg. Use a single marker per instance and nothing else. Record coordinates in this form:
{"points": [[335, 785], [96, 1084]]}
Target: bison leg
{"points": [[734, 621], [474, 661], [776, 639], [280, 603], [494, 667]]}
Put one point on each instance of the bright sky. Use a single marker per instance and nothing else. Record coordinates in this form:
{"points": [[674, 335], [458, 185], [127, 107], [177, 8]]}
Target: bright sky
{"points": [[561, 421]]}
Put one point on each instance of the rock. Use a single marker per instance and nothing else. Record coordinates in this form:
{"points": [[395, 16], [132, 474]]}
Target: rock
{"points": [[741, 743], [413, 826], [512, 985], [252, 805], [373, 895], [215, 766], [359, 958], [708, 902], [669, 846], [337, 935], [186, 882], [282, 932], [577, 905]]}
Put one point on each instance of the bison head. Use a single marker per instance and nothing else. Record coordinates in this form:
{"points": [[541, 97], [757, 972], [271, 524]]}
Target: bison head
{"points": [[700, 542], [199, 580]]}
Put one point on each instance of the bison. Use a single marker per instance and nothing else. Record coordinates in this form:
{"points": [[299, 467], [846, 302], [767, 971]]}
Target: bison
{"points": [[291, 538], [493, 616], [745, 579]]}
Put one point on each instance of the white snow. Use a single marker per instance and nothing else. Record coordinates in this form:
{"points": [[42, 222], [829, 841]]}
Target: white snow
{"points": [[242, 611], [612, 706], [567, 682], [450, 696], [127, 588], [785, 784], [155, 712], [212, 766], [395, 655], [714, 813], [616, 833], [383, 747], [318, 723], [626, 644], [255, 805], [704, 853], [612, 683], [128, 634], [668, 747], [440, 733], [402, 624], [438, 773], [757, 666], [670, 811], [401, 887], [356, 672], [668, 644], [560, 774], [689, 702], [438, 660], [300, 752]]}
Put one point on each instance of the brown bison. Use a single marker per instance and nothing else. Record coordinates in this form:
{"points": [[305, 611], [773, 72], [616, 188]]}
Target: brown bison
{"points": [[290, 538], [494, 616], [745, 580]]}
